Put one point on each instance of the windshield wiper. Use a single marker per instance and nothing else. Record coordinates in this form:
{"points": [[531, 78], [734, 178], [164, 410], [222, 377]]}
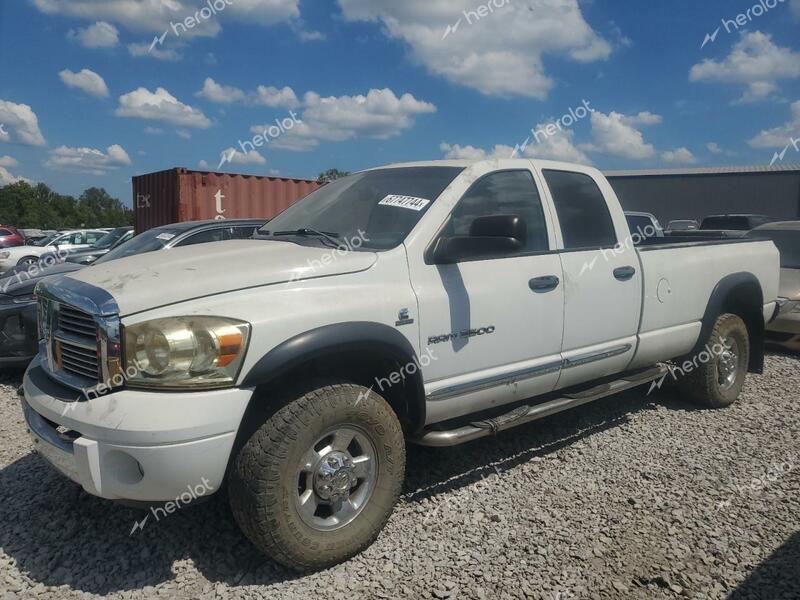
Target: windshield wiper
{"points": [[330, 236]]}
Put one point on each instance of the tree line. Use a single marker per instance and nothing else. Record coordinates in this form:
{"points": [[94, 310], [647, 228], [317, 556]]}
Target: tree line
{"points": [[38, 207]]}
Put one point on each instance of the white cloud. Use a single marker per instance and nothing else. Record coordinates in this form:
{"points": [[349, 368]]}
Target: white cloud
{"points": [[88, 160], [380, 114], [559, 146], [202, 164], [756, 62], [22, 121], [234, 156], [156, 15], [643, 118], [145, 49], [8, 161], [681, 156], [714, 148], [87, 81], [457, 152], [779, 136], [264, 95], [614, 134], [160, 106], [274, 97], [7, 178], [221, 94], [500, 54], [99, 35]]}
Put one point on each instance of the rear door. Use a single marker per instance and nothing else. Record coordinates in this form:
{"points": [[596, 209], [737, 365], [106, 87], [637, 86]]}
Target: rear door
{"points": [[492, 326], [602, 276]]}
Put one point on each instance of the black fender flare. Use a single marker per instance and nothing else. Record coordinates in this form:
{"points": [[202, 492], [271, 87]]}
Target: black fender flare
{"points": [[740, 291], [374, 339]]}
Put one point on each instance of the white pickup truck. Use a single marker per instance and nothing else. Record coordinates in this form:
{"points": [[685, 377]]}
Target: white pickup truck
{"points": [[432, 302]]}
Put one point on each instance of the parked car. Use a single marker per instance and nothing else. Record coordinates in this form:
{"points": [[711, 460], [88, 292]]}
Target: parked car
{"points": [[644, 224], [63, 242], [435, 302], [733, 222], [10, 237], [785, 330], [32, 235], [87, 256], [681, 225], [18, 303]]}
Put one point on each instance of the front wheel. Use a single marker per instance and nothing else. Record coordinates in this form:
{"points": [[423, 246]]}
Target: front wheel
{"points": [[718, 380], [317, 482], [27, 261]]}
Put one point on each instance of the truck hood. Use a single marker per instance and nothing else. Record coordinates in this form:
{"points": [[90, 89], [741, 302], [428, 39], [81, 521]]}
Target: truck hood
{"points": [[790, 284], [155, 279]]}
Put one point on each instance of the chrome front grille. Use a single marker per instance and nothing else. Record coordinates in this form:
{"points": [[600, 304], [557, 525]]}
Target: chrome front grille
{"points": [[76, 322], [79, 334]]}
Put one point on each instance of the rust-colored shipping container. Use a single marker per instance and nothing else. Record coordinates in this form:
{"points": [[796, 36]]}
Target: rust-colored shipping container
{"points": [[184, 195]]}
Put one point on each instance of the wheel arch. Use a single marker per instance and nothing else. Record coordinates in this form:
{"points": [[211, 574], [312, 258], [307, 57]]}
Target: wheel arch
{"points": [[739, 294], [361, 351]]}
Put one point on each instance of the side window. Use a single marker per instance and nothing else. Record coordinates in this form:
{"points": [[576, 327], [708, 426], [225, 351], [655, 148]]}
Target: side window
{"points": [[75, 238], [503, 193], [243, 233], [203, 237], [4, 232], [582, 210], [93, 236]]}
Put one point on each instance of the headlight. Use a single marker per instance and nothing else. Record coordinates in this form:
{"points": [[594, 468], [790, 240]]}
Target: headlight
{"points": [[4, 255], [185, 352]]}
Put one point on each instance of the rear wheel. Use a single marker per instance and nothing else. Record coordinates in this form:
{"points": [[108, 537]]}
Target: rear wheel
{"points": [[316, 483], [718, 380]]}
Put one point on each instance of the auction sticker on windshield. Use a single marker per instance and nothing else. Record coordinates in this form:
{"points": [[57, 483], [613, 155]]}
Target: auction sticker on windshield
{"points": [[405, 202]]}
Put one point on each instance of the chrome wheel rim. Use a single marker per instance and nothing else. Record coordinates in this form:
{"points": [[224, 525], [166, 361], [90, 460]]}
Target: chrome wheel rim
{"points": [[728, 363], [336, 478]]}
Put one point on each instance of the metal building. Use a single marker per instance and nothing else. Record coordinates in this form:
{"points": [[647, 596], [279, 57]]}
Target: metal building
{"points": [[695, 193]]}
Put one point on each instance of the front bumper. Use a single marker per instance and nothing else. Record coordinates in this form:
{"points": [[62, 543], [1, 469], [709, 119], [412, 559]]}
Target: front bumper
{"points": [[133, 445], [18, 335]]}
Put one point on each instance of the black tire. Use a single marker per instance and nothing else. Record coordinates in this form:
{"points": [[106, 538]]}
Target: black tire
{"points": [[267, 478], [27, 260], [711, 384]]}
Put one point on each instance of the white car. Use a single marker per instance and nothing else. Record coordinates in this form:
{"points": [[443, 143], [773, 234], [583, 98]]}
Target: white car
{"points": [[68, 240], [434, 303]]}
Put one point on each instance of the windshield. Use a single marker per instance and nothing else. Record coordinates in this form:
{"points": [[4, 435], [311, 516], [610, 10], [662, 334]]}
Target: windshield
{"points": [[788, 243], [109, 239], [378, 207], [45, 240], [154, 239]]}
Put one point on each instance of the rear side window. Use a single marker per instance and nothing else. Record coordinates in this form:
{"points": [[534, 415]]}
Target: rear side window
{"points": [[209, 235], [582, 210], [503, 193], [4, 232]]}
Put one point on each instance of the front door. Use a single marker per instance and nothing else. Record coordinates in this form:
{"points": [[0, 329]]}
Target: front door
{"points": [[492, 326]]}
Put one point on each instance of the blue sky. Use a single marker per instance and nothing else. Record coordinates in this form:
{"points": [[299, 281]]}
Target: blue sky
{"points": [[93, 91]]}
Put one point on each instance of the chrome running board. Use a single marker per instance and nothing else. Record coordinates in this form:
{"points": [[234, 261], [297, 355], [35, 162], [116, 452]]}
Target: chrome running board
{"points": [[526, 413]]}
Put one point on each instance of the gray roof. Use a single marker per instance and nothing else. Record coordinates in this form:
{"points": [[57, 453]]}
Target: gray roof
{"points": [[779, 226], [748, 169]]}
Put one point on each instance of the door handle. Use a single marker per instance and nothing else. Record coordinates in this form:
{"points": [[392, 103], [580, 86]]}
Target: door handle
{"points": [[544, 284], [624, 273]]}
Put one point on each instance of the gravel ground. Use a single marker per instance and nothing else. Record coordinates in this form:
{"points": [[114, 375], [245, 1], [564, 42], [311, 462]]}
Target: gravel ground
{"points": [[631, 497]]}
